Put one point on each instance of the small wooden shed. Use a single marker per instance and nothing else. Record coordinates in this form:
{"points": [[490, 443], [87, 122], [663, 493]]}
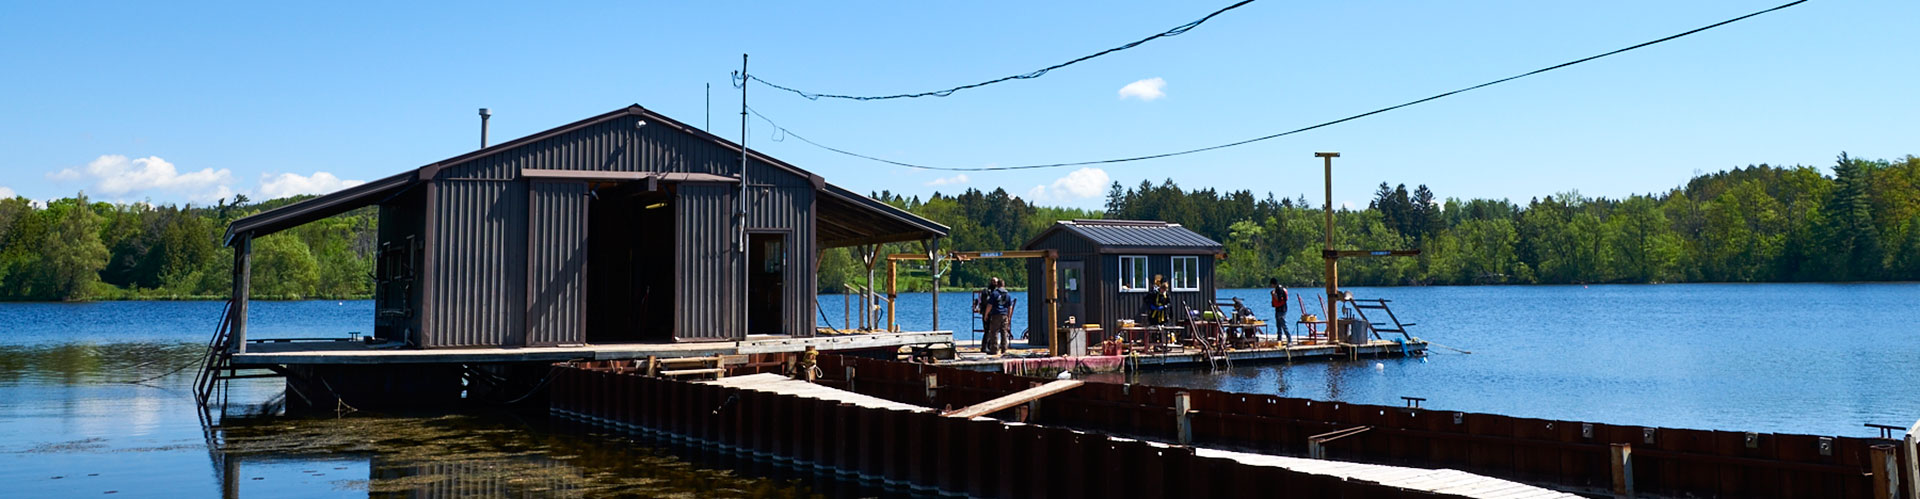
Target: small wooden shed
{"points": [[1106, 266]]}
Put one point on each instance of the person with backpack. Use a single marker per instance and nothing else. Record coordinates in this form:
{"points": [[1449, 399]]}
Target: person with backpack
{"points": [[1279, 294], [996, 307]]}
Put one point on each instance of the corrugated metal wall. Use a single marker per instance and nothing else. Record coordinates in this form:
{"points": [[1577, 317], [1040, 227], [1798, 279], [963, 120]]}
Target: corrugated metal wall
{"points": [[1104, 302], [1071, 248], [402, 225], [479, 289], [783, 201], [615, 145], [556, 263], [476, 303], [708, 307], [1114, 305]]}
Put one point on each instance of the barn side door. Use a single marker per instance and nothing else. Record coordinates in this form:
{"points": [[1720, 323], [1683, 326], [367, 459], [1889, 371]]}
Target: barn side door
{"points": [[1072, 278]]}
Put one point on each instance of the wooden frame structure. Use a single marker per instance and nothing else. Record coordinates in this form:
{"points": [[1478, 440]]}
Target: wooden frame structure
{"points": [[1049, 278], [1333, 256]]}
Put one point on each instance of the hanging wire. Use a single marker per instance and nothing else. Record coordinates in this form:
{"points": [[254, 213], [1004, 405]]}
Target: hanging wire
{"points": [[1288, 132], [1176, 31]]}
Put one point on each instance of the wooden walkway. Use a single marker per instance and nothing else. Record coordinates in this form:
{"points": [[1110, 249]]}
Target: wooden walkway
{"points": [[347, 352], [782, 385], [1450, 482]]}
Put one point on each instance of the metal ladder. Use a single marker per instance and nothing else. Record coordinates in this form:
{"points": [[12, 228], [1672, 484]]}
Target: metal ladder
{"points": [[1361, 306], [1215, 351], [218, 357]]}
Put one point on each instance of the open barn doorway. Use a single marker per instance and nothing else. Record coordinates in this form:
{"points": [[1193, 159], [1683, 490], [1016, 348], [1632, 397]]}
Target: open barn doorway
{"points": [[630, 264], [766, 282]]}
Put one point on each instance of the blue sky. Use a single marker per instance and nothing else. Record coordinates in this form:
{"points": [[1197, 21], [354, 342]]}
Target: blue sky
{"points": [[189, 102]]}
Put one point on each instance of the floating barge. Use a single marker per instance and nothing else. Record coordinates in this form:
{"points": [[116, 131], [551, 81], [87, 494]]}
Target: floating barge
{"points": [[921, 428]]}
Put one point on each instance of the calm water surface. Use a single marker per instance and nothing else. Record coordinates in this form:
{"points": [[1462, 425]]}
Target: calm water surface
{"points": [[1799, 358], [1794, 358], [95, 400]]}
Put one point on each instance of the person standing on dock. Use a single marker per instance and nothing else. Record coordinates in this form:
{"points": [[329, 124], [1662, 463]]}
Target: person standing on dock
{"points": [[997, 307], [1280, 310]]}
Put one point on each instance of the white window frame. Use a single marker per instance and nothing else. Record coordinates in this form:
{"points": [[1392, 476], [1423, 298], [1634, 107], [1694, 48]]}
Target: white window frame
{"points": [[1193, 274], [1129, 275]]}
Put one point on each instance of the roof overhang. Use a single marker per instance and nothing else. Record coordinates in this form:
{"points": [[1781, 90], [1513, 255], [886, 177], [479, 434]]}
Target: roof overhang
{"points": [[341, 201], [847, 218]]}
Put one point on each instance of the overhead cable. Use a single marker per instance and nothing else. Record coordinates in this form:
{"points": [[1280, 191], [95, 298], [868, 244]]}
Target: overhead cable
{"points": [[1288, 132], [1176, 31]]}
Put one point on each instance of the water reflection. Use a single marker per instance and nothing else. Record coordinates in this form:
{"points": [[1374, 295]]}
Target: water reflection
{"points": [[119, 418], [496, 454]]}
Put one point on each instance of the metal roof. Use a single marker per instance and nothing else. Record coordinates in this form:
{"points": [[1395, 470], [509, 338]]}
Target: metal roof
{"points": [[1113, 235], [895, 224]]}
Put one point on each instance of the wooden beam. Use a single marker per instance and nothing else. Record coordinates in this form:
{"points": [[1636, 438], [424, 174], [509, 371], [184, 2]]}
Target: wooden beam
{"points": [[1356, 253], [242, 288], [1013, 399]]}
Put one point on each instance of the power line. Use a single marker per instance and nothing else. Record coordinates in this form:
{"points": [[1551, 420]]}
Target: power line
{"points": [[1288, 132], [1176, 31]]}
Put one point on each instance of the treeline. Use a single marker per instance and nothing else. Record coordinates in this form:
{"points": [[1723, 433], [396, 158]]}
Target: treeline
{"points": [[977, 221], [77, 249], [1859, 222]]}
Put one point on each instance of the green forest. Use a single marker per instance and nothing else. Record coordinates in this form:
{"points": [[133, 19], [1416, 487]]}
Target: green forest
{"points": [[1858, 220]]}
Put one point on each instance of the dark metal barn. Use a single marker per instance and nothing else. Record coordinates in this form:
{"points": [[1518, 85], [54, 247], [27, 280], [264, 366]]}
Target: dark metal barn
{"points": [[624, 227], [1105, 267]]}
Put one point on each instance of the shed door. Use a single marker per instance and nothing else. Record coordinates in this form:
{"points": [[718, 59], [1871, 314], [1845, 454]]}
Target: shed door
{"points": [[1071, 278]]}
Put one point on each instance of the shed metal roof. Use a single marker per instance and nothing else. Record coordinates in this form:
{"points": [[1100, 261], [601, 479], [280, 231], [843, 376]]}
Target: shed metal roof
{"points": [[857, 213], [1120, 235]]}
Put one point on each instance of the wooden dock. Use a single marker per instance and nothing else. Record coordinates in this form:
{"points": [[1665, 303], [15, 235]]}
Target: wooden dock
{"points": [[359, 353], [1193, 358]]}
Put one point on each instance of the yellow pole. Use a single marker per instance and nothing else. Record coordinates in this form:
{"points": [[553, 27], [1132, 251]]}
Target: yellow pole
{"points": [[1333, 265], [893, 277], [1053, 306]]}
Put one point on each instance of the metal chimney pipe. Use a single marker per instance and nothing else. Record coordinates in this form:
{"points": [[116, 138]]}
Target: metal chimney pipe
{"points": [[484, 114]]}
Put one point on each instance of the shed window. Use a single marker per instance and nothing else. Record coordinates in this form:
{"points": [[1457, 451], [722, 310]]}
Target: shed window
{"points": [[1133, 274], [1186, 273]]}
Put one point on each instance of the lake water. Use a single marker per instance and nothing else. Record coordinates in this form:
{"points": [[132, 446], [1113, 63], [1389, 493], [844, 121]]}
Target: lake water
{"points": [[1798, 358]]}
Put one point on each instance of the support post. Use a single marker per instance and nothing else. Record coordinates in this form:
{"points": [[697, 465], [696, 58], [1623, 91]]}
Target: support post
{"points": [[1183, 418], [893, 293], [1052, 327], [1622, 460], [850, 380], [933, 386], [1886, 471], [653, 366], [933, 269], [1333, 265], [1911, 454], [242, 287]]}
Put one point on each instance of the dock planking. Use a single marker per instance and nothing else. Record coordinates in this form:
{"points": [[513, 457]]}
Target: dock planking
{"points": [[355, 353]]}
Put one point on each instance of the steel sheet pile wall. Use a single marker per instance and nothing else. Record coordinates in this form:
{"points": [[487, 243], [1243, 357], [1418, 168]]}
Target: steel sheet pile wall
{"points": [[1571, 454], [921, 451]]}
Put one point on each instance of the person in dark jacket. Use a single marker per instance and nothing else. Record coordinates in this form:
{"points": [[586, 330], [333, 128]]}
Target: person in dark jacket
{"points": [[997, 309], [1159, 302], [1279, 294]]}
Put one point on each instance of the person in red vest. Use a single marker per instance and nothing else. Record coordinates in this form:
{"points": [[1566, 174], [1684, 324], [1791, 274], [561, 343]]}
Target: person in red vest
{"points": [[1280, 310]]}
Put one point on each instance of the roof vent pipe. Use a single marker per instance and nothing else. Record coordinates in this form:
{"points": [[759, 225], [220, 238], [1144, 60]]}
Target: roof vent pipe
{"points": [[484, 114]]}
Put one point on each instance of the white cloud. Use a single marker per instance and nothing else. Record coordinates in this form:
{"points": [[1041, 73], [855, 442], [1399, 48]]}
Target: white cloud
{"points": [[6, 193], [953, 180], [1081, 184], [117, 175], [1146, 90], [289, 184]]}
